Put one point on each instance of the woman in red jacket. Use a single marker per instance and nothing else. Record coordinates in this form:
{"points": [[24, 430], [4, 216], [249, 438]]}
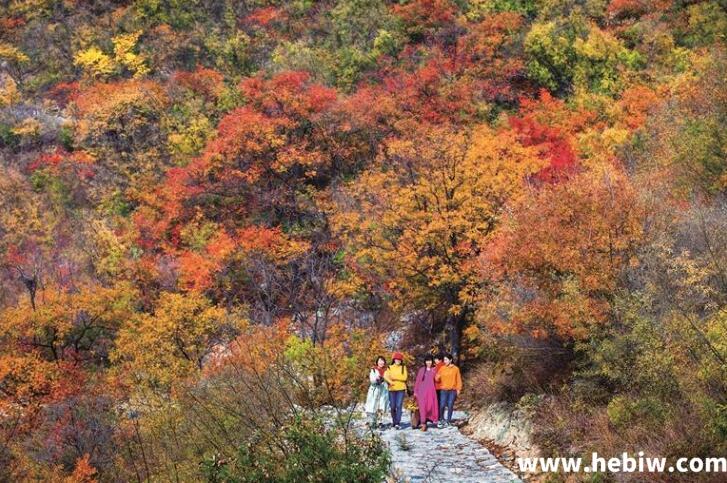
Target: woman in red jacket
{"points": [[426, 394]]}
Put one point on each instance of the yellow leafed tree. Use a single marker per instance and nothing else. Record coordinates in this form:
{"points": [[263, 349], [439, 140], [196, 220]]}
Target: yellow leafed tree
{"points": [[173, 342], [414, 222]]}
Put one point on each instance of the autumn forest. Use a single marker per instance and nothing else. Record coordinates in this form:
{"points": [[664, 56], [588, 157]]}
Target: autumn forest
{"points": [[214, 214]]}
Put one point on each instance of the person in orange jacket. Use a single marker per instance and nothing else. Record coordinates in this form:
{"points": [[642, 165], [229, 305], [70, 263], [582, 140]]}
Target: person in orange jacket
{"points": [[450, 382]]}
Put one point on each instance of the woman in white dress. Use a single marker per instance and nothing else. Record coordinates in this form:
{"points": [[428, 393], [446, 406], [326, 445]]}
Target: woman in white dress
{"points": [[377, 399]]}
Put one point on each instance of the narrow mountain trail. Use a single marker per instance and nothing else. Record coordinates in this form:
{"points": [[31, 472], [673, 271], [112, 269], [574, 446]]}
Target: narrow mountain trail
{"points": [[442, 455]]}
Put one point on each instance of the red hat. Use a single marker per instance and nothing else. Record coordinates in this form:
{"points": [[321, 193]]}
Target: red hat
{"points": [[397, 355]]}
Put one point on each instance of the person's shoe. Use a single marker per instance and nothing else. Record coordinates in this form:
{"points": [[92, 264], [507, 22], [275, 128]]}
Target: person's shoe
{"points": [[440, 424], [396, 426]]}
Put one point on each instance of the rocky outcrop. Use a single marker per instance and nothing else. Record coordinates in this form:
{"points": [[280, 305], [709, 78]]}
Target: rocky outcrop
{"points": [[505, 426]]}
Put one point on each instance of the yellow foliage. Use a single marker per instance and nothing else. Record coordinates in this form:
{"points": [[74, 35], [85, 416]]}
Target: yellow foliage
{"points": [[111, 248], [95, 63], [9, 93], [65, 322], [11, 53], [29, 127], [124, 54], [131, 107], [191, 140], [423, 212], [172, 343]]}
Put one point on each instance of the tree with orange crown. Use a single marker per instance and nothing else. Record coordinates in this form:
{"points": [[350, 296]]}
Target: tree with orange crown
{"points": [[414, 223]]}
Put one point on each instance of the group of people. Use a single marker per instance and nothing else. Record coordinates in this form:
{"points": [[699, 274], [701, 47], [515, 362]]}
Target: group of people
{"points": [[436, 387]]}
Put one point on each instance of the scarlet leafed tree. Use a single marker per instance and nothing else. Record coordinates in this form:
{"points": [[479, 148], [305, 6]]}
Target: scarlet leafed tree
{"points": [[279, 137], [232, 221], [555, 265], [458, 79], [431, 93], [554, 127], [414, 223]]}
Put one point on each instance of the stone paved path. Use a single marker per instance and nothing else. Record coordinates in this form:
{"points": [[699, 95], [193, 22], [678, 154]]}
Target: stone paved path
{"points": [[442, 455]]}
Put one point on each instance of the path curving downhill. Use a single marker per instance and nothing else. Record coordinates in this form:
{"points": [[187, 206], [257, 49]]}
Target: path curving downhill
{"points": [[442, 455]]}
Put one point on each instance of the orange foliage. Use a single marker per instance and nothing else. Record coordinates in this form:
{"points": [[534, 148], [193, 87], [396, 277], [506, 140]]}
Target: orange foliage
{"points": [[59, 161], [264, 16], [620, 9], [83, 472], [426, 16], [207, 82], [556, 261], [289, 94], [101, 99], [254, 349], [195, 270], [635, 104]]}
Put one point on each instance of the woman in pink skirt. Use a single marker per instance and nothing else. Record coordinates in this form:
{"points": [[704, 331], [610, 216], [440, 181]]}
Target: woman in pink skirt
{"points": [[426, 393]]}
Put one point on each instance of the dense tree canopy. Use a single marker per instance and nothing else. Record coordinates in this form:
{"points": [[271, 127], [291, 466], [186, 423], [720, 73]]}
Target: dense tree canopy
{"points": [[213, 209]]}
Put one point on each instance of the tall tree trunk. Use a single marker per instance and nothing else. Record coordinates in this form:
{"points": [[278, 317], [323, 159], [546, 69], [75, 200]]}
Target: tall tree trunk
{"points": [[454, 327], [31, 283]]}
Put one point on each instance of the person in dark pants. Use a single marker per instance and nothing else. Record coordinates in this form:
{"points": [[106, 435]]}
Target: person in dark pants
{"points": [[395, 376], [438, 363], [451, 384]]}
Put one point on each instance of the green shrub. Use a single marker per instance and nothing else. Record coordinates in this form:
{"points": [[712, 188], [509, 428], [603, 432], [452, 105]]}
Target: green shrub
{"points": [[623, 410], [571, 53], [7, 136], [312, 453]]}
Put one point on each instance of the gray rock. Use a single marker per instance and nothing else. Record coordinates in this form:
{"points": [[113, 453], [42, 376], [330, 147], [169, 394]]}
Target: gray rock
{"points": [[505, 425]]}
